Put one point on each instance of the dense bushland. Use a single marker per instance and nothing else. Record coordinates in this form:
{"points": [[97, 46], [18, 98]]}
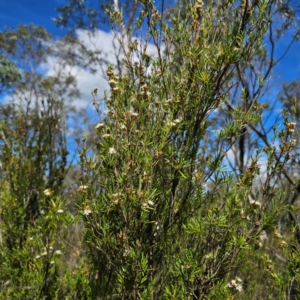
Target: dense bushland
{"points": [[182, 189]]}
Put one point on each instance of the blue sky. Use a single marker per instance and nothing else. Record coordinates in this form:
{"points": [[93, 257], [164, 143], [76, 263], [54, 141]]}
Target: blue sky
{"points": [[289, 68], [14, 12]]}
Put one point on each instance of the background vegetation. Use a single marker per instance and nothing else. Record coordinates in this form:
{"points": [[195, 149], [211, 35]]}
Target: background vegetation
{"points": [[187, 186]]}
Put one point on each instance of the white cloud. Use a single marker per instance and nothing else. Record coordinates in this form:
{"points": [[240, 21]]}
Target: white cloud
{"points": [[108, 45], [99, 41]]}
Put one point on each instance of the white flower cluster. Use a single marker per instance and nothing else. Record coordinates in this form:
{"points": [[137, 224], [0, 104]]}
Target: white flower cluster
{"points": [[48, 192], [156, 228], [236, 284], [148, 204], [49, 251], [99, 126], [112, 150], [254, 203], [82, 188], [87, 211], [174, 122]]}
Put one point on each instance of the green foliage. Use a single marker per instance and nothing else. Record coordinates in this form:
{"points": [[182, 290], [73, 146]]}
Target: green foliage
{"points": [[157, 214], [163, 218], [34, 166], [9, 73]]}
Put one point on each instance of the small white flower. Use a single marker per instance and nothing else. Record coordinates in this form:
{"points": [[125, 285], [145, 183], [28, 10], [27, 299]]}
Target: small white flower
{"points": [[293, 143], [177, 121], [238, 279], [57, 252], [235, 284], [47, 192], [134, 114], [44, 253], [174, 122], [123, 127], [112, 150], [52, 262], [106, 136], [239, 287], [283, 243], [291, 126], [87, 211], [60, 211], [37, 257], [254, 203], [150, 202], [82, 188], [99, 126], [112, 82]]}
